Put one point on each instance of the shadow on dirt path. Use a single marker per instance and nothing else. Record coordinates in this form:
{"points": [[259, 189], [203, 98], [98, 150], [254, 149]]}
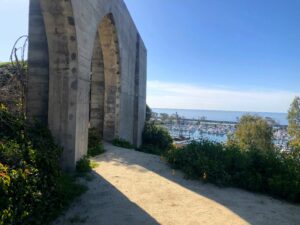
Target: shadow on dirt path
{"points": [[131, 188]]}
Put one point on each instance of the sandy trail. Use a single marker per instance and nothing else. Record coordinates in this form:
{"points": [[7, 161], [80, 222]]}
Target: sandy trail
{"points": [[133, 188]]}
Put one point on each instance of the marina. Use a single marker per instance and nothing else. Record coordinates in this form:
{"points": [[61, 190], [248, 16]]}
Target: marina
{"points": [[184, 130]]}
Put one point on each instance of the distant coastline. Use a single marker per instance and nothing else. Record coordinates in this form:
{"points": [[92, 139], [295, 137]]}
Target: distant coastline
{"points": [[222, 115]]}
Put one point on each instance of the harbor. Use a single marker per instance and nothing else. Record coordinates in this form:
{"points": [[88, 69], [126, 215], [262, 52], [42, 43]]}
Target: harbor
{"points": [[184, 130]]}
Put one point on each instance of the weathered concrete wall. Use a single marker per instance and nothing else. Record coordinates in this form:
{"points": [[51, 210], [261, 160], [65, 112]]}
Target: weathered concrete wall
{"points": [[97, 89], [62, 35], [38, 81]]}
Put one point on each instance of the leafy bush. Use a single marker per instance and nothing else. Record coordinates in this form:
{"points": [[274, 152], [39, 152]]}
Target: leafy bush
{"points": [[253, 132], [152, 149], [270, 172], [96, 150], [95, 146], [83, 165], [32, 190], [202, 160], [119, 142], [156, 139]]}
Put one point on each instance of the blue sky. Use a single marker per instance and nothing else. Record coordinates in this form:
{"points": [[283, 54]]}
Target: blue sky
{"points": [[207, 54]]}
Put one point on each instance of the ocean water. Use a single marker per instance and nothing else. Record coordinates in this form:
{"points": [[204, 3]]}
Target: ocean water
{"points": [[233, 116]]}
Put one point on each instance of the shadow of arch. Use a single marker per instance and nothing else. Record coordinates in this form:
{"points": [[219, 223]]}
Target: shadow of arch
{"points": [[105, 81], [104, 204], [240, 203]]}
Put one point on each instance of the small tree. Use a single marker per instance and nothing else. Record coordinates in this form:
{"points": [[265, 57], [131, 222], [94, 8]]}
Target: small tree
{"points": [[294, 124], [156, 139], [253, 132]]}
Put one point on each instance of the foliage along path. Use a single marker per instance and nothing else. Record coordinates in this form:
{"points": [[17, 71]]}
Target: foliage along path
{"points": [[133, 188]]}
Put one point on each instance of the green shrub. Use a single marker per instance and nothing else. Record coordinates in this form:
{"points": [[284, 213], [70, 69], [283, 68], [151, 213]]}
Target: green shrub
{"points": [[119, 142], [96, 150], [151, 149], [253, 132], [270, 172], [31, 188], [83, 165], [206, 164], [156, 139], [95, 146]]}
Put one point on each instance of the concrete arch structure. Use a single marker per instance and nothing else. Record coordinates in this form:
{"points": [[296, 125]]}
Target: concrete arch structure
{"points": [[87, 66], [105, 80]]}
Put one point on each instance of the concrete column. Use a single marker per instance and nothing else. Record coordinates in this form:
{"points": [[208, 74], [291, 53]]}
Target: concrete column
{"points": [[38, 66], [140, 92]]}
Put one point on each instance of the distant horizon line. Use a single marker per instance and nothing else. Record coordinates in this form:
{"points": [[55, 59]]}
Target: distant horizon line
{"points": [[221, 110]]}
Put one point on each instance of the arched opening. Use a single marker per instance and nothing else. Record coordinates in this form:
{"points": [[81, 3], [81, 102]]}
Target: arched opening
{"points": [[62, 94], [105, 81]]}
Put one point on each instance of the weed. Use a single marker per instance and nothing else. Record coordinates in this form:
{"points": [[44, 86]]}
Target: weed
{"points": [[119, 142]]}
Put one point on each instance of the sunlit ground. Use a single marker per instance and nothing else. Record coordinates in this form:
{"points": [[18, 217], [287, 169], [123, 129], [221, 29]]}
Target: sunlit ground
{"points": [[137, 188]]}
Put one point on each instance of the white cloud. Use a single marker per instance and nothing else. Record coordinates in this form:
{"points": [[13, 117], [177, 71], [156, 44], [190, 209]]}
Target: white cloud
{"points": [[186, 96]]}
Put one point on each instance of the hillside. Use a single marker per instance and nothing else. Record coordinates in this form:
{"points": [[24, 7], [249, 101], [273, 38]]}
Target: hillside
{"points": [[10, 88]]}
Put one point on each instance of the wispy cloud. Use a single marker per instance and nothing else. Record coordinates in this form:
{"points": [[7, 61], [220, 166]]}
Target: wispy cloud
{"points": [[187, 96]]}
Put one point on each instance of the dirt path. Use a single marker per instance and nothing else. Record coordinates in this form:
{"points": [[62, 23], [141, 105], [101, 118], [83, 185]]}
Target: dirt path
{"points": [[133, 188]]}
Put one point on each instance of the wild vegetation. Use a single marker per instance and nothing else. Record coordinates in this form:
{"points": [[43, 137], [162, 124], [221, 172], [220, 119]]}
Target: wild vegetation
{"points": [[270, 172], [294, 126], [33, 188], [119, 142], [84, 166], [248, 160], [156, 139], [10, 87], [253, 132], [95, 146]]}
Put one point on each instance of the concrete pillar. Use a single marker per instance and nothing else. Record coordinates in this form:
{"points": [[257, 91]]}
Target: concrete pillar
{"points": [[38, 66]]}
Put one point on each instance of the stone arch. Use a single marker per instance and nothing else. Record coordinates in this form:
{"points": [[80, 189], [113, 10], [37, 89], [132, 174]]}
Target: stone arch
{"points": [[62, 54], [105, 80]]}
